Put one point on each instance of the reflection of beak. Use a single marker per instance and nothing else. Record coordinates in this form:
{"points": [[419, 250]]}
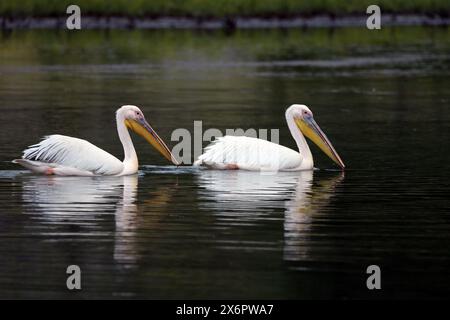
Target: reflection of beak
{"points": [[142, 128], [311, 129]]}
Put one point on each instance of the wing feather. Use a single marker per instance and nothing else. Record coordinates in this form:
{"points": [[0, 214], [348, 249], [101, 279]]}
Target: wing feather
{"points": [[249, 153], [75, 153]]}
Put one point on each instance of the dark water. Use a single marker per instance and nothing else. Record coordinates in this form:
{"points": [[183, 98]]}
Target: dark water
{"points": [[382, 97]]}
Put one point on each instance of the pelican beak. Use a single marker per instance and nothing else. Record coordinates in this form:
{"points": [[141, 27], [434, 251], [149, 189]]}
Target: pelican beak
{"points": [[311, 129], [143, 128]]}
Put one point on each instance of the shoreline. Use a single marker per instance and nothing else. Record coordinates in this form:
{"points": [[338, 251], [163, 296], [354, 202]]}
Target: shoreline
{"points": [[227, 23]]}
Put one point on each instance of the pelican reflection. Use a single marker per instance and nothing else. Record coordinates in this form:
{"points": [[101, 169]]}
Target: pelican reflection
{"points": [[77, 207], [308, 203], [243, 196]]}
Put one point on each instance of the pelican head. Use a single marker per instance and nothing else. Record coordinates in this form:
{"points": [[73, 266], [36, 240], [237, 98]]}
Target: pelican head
{"points": [[135, 120], [305, 122]]}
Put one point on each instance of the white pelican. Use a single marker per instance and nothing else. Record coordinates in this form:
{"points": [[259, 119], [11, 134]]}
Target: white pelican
{"points": [[67, 156], [248, 153]]}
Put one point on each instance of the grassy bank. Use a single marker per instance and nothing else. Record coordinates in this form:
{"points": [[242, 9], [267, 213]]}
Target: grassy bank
{"points": [[217, 8]]}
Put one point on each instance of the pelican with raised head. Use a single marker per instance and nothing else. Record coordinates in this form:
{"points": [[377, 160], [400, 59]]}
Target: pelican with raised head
{"points": [[247, 153], [68, 156]]}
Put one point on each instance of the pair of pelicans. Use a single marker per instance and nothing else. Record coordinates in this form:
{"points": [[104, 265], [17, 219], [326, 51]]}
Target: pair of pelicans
{"points": [[67, 156]]}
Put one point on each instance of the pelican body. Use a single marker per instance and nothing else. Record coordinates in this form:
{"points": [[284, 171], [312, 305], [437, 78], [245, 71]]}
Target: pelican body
{"points": [[68, 156], [247, 153]]}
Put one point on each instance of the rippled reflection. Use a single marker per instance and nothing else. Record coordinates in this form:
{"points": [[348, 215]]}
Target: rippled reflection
{"points": [[249, 196], [308, 202], [86, 203], [126, 222]]}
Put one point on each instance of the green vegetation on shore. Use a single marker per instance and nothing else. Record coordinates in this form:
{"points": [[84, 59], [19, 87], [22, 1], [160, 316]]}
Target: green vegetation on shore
{"points": [[217, 8]]}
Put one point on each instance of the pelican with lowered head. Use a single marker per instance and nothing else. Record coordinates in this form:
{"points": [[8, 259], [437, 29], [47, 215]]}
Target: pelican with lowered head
{"points": [[68, 156], [249, 153]]}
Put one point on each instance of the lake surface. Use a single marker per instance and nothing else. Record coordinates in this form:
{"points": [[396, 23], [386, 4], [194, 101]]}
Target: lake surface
{"points": [[382, 97]]}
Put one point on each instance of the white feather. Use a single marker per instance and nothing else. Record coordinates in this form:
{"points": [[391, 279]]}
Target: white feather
{"points": [[72, 156], [249, 154]]}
